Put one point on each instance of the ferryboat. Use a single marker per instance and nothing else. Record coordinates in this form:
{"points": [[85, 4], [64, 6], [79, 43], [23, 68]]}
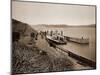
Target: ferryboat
{"points": [[59, 40]]}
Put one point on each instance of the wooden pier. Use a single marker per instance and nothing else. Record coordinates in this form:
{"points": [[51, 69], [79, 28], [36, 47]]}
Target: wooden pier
{"points": [[82, 59], [77, 40]]}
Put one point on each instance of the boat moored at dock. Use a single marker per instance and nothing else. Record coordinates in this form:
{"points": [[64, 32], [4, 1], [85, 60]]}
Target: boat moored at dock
{"points": [[59, 40]]}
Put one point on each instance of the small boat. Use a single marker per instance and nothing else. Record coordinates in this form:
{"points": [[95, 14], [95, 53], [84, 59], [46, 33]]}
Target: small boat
{"points": [[59, 40]]}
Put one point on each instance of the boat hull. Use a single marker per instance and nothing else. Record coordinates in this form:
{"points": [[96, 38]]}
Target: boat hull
{"points": [[57, 42]]}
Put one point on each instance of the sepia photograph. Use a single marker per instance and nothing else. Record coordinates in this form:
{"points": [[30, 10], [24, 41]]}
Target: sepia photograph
{"points": [[52, 37]]}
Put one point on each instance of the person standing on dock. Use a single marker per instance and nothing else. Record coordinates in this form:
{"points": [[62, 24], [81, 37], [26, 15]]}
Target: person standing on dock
{"points": [[82, 37], [51, 33], [56, 33], [61, 33], [47, 32]]}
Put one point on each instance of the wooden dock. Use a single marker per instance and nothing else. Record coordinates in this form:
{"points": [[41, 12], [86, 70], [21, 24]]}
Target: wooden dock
{"points": [[77, 57], [80, 58], [77, 40]]}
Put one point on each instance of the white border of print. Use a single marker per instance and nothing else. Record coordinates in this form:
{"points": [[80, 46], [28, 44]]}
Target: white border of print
{"points": [[5, 37]]}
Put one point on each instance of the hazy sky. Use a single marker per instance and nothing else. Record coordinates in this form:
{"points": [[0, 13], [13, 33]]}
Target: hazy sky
{"points": [[43, 13]]}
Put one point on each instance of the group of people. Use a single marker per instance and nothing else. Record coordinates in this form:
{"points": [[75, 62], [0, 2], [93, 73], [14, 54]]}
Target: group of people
{"points": [[35, 35], [43, 34]]}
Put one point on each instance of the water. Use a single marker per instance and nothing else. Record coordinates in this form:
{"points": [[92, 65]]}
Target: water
{"points": [[88, 51]]}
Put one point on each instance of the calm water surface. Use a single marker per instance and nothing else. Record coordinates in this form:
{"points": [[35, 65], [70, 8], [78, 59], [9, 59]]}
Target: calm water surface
{"points": [[87, 51]]}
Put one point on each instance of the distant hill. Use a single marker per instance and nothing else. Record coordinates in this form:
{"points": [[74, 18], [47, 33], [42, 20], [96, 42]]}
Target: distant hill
{"points": [[56, 25], [91, 25], [62, 25], [51, 25]]}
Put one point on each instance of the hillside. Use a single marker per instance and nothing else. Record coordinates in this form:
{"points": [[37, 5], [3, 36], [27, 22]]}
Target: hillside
{"points": [[21, 27], [31, 55]]}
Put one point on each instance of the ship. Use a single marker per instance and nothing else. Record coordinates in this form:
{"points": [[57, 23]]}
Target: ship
{"points": [[57, 39]]}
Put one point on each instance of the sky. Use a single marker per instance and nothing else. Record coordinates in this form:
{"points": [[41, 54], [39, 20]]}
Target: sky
{"points": [[47, 13]]}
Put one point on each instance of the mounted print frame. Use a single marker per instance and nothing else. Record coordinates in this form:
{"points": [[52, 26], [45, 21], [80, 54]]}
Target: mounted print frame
{"points": [[52, 37]]}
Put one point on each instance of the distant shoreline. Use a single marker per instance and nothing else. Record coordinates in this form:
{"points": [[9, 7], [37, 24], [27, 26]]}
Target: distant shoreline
{"points": [[61, 26]]}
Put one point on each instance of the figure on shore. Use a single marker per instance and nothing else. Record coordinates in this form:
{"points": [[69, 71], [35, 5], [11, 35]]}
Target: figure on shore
{"points": [[36, 38], [42, 35]]}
